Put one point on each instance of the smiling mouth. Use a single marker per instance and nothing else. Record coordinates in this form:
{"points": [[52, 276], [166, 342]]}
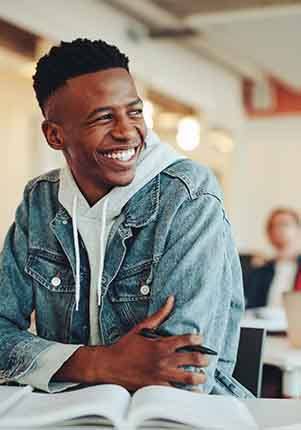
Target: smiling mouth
{"points": [[121, 155], [124, 155]]}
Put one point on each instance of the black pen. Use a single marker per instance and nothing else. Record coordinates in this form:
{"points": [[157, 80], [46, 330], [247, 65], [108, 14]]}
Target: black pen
{"points": [[155, 334]]}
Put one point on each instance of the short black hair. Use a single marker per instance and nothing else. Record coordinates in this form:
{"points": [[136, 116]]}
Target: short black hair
{"points": [[71, 59]]}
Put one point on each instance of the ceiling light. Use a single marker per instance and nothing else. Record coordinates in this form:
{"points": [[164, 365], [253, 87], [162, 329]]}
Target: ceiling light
{"points": [[188, 135]]}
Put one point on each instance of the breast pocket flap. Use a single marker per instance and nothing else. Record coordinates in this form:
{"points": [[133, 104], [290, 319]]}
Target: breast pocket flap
{"points": [[52, 272], [132, 284]]}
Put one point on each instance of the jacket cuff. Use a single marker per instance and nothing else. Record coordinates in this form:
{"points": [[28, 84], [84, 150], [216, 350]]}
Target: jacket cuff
{"points": [[46, 366]]}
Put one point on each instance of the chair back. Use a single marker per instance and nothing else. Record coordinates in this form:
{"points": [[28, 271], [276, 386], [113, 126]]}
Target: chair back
{"points": [[248, 368]]}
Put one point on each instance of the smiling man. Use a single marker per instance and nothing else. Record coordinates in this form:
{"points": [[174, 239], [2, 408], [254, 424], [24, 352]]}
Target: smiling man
{"points": [[79, 119], [129, 235]]}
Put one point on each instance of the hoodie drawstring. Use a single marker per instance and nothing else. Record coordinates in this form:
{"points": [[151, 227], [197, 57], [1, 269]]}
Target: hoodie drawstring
{"points": [[101, 249], [77, 253]]}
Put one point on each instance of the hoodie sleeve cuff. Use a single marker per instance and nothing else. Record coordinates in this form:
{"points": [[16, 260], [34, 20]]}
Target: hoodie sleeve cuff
{"points": [[46, 366]]}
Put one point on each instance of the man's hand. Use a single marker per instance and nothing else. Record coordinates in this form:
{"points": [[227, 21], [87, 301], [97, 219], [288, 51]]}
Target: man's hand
{"points": [[136, 361]]}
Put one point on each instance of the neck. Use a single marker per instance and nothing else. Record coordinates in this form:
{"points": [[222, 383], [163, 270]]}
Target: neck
{"points": [[92, 196], [91, 193]]}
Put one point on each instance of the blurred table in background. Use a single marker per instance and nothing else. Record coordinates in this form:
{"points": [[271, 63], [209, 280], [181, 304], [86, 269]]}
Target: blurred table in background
{"points": [[278, 352], [282, 362]]}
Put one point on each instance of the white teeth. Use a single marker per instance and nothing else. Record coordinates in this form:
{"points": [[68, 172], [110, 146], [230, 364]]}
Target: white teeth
{"points": [[121, 155]]}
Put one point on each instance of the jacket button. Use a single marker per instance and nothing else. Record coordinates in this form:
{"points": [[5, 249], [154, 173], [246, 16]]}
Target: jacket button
{"points": [[144, 290], [56, 281]]}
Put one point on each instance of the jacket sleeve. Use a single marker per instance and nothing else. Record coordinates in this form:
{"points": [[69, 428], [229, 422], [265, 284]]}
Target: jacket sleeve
{"points": [[200, 267], [24, 357]]}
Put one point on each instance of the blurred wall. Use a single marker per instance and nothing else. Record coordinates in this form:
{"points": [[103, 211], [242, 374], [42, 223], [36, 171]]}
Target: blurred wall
{"points": [[24, 151], [17, 142], [265, 172]]}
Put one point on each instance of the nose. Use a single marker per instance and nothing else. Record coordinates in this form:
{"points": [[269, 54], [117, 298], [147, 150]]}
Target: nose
{"points": [[124, 130]]}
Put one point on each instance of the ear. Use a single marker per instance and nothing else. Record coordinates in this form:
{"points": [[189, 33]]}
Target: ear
{"points": [[54, 134]]}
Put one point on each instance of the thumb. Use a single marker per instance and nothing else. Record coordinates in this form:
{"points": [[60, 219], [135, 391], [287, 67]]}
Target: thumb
{"points": [[158, 317]]}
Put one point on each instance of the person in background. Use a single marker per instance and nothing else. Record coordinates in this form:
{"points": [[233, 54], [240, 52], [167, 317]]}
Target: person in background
{"points": [[283, 273], [249, 262]]}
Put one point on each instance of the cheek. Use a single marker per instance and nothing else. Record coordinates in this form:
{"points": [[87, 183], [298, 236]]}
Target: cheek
{"points": [[142, 129], [80, 153], [292, 233], [285, 234], [276, 236]]}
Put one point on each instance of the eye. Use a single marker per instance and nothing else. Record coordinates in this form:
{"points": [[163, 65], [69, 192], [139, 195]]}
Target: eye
{"points": [[136, 112], [103, 118]]}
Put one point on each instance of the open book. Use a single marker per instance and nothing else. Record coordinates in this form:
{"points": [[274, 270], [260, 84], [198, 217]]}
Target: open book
{"points": [[152, 406]]}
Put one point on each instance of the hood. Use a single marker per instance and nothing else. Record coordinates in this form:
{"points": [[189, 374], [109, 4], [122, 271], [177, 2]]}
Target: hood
{"points": [[156, 157]]}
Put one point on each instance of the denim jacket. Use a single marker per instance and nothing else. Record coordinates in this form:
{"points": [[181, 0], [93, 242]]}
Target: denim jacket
{"points": [[172, 236]]}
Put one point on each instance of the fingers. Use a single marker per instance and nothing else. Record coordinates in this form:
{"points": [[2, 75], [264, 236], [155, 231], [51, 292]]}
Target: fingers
{"points": [[180, 341], [189, 378], [187, 359], [158, 317], [181, 376]]}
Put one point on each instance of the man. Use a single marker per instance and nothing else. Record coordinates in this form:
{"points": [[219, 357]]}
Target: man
{"points": [[283, 272], [128, 236]]}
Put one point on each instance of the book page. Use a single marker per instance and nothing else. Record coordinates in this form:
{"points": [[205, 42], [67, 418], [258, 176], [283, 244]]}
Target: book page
{"points": [[40, 409], [10, 395], [201, 411]]}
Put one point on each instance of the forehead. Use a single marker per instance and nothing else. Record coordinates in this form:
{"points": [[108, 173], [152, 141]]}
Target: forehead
{"points": [[112, 86], [283, 218], [82, 94]]}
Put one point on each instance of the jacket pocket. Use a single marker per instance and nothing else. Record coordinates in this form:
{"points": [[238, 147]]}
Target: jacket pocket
{"points": [[54, 289], [131, 292], [51, 271]]}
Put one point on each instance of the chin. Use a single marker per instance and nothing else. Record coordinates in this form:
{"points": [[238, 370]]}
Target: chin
{"points": [[123, 182]]}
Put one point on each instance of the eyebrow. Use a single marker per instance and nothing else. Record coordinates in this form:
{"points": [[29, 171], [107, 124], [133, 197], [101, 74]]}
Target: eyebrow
{"points": [[106, 108]]}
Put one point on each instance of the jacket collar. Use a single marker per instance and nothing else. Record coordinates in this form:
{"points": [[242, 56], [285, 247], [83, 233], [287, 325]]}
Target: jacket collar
{"points": [[140, 210], [143, 207]]}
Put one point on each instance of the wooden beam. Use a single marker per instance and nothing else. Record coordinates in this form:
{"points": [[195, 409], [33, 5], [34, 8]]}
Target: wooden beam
{"points": [[170, 104], [17, 40]]}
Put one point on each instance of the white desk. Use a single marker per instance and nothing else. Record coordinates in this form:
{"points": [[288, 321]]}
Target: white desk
{"points": [[275, 412], [279, 352]]}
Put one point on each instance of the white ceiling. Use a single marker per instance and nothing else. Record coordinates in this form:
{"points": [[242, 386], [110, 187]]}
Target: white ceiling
{"points": [[271, 42], [192, 7], [250, 37]]}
